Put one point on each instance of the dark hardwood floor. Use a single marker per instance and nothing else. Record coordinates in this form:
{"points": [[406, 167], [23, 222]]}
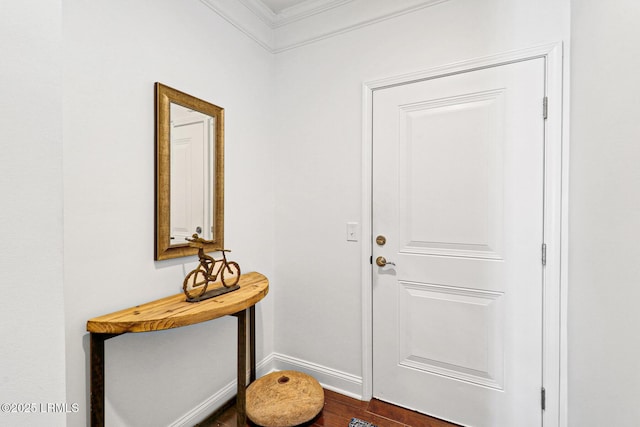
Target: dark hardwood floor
{"points": [[338, 411]]}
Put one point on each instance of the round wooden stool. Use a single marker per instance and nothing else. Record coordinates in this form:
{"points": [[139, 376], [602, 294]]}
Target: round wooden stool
{"points": [[284, 399]]}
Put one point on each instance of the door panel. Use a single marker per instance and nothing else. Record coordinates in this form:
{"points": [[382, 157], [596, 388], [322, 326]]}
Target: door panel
{"points": [[472, 352], [458, 193], [450, 201]]}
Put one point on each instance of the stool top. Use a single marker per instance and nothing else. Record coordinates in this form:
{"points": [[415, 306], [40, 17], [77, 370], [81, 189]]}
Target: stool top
{"points": [[284, 399]]}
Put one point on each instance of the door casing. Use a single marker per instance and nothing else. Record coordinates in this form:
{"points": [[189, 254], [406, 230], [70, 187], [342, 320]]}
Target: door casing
{"points": [[555, 218]]}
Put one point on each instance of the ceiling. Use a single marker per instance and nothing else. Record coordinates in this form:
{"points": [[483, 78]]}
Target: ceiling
{"points": [[278, 6]]}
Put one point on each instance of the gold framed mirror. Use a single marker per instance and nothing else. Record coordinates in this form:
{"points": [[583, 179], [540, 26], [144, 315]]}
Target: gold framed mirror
{"points": [[189, 173]]}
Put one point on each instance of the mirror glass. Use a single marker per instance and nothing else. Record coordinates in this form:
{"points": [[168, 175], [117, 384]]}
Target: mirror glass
{"points": [[189, 178]]}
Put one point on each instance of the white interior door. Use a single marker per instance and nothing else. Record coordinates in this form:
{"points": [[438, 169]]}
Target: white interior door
{"points": [[458, 170], [189, 166]]}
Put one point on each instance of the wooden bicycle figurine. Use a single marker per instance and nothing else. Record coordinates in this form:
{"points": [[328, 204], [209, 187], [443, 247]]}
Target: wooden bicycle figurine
{"points": [[196, 284]]}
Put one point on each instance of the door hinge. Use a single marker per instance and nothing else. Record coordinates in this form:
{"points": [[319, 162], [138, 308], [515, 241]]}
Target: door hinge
{"points": [[545, 107], [543, 399], [544, 254]]}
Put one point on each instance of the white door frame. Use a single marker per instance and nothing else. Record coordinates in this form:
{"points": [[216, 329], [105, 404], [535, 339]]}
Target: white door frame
{"points": [[555, 217]]}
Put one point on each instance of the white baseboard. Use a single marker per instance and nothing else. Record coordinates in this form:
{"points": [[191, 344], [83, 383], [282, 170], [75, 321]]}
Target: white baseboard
{"points": [[204, 409], [215, 401], [331, 379]]}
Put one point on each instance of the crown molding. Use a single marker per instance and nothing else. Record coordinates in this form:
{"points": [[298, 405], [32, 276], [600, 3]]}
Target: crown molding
{"points": [[244, 19], [262, 12], [309, 21], [305, 9], [290, 14], [348, 16]]}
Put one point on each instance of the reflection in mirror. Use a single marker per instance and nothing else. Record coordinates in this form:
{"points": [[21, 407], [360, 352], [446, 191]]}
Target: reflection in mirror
{"points": [[189, 175], [191, 156]]}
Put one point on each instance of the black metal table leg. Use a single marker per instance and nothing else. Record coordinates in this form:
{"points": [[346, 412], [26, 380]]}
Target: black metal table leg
{"points": [[252, 343], [96, 348], [241, 398]]}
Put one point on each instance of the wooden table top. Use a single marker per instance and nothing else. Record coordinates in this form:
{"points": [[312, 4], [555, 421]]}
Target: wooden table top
{"points": [[175, 311]]}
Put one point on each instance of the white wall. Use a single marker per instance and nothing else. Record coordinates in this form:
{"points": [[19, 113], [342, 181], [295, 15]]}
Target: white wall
{"points": [[604, 256], [31, 305], [114, 51], [319, 149]]}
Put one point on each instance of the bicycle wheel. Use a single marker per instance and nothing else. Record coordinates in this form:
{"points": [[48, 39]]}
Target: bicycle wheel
{"points": [[230, 274], [195, 284]]}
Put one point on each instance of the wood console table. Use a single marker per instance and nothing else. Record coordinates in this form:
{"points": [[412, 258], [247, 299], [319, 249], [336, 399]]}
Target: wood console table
{"points": [[173, 312]]}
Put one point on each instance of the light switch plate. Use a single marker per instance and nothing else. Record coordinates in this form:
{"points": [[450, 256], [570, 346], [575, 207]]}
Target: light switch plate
{"points": [[353, 232]]}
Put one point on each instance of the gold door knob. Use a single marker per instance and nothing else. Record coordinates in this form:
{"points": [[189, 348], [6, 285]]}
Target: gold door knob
{"points": [[382, 261], [381, 240]]}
